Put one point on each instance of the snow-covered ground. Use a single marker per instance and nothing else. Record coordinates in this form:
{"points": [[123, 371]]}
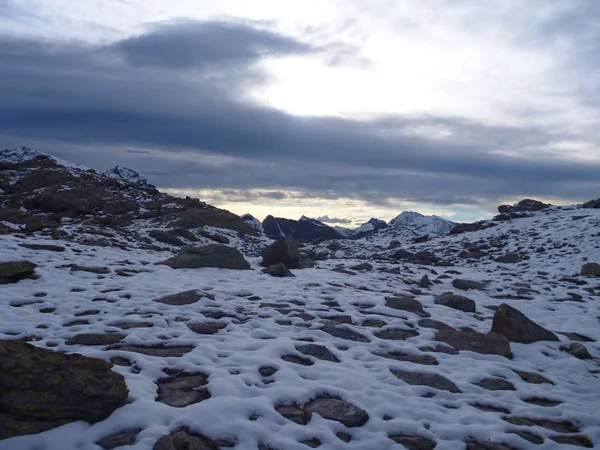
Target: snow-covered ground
{"points": [[266, 318]]}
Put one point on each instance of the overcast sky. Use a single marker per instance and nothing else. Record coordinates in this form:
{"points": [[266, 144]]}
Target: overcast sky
{"points": [[339, 108]]}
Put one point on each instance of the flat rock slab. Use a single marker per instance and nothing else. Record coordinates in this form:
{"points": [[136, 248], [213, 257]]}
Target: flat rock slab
{"points": [[433, 380], [185, 439], [212, 255], [487, 344], [577, 440], [317, 351], [426, 360], [414, 442], [15, 271], [294, 413], [517, 327], [207, 328], [184, 298], [183, 389], [47, 247], [344, 333], [339, 411], [157, 350], [559, 427], [465, 285], [120, 439], [91, 269], [532, 377], [95, 339], [406, 304], [487, 445], [454, 301], [496, 384], [279, 270], [396, 334], [42, 389]]}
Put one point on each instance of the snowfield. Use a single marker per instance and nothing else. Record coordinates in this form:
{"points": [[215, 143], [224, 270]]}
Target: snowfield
{"points": [[264, 320]]}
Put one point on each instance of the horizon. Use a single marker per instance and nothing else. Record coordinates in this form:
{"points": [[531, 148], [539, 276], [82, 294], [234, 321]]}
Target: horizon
{"points": [[322, 108]]}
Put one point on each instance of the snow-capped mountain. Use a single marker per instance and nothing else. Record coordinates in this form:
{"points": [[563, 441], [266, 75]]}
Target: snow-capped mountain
{"points": [[304, 229], [20, 155], [125, 174], [371, 225], [253, 222], [430, 225]]}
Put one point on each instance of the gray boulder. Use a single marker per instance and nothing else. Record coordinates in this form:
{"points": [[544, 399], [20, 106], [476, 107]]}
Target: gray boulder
{"points": [[278, 270], [517, 327], [212, 255], [12, 272], [284, 251], [459, 302], [590, 270]]}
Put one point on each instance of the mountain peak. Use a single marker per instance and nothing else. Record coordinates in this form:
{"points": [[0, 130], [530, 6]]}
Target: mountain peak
{"points": [[431, 225], [125, 174]]}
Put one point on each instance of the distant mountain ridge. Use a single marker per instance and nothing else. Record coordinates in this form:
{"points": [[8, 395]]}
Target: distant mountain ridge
{"points": [[429, 225]]}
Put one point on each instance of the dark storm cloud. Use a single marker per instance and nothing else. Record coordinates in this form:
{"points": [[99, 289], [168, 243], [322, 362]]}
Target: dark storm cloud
{"points": [[328, 219], [171, 89]]}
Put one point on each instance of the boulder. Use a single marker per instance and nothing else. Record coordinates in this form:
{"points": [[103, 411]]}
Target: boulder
{"points": [[278, 270], [590, 270], [212, 255], [592, 204], [184, 298], [42, 389], [465, 285], [12, 272], [459, 302], [406, 304], [284, 251], [433, 380], [524, 205], [166, 237], [517, 327], [577, 349], [339, 411], [362, 266], [185, 439], [487, 344], [509, 258]]}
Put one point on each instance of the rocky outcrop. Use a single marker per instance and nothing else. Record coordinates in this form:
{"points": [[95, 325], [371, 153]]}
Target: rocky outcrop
{"points": [[284, 251], [279, 270], [42, 389], [304, 229], [525, 205], [459, 302], [212, 255], [13, 272], [592, 204], [517, 327]]}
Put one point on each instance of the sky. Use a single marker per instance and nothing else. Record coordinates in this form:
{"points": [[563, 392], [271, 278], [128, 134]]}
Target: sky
{"points": [[338, 109]]}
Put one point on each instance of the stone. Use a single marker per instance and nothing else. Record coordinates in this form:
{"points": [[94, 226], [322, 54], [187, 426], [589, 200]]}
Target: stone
{"points": [[465, 285], [184, 298], [365, 266], [185, 439], [279, 270], [590, 270], [559, 427], [487, 445], [496, 384], [577, 349], [42, 389], [294, 414], [528, 436], [525, 205], [183, 389], [459, 302], [119, 439], [406, 304], [425, 282], [214, 237], [426, 360], [545, 402], [166, 237], [160, 351], [396, 334], [414, 442], [487, 344], [95, 339], [91, 269], [509, 258], [517, 327], [15, 271], [206, 328], [294, 359], [284, 250], [592, 204], [338, 410], [267, 371], [532, 378], [50, 248], [212, 255], [433, 380], [577, 440], [317, 351]]}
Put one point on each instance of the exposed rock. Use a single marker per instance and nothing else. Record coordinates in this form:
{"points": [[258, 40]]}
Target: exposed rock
{"points": [[509, 258], [343, 332], [95, 339], [465, 285], [577, 440], [472, 255], [577, 349], [317, 351], [396, 334], [414, 442], [590, 270], [513, 324], [161, 351], [470, 227], [338, 410], [13, 272], [212, 255], [207, 328], [305, 229], [487, 344], [425, 282], [406, 304], [119, 439], [531, 377], [279, 270], [459, 302], [559, 427], [487, 445], [267, 371], [525, 205], [183, 389], [42, 389], [293, 413], [365, 266], [592, 204], [426, 360], [50, 248], [219, 238], [184, 298], [185, 439], [433, 380], [166, 237], [91, 269], [283, 251], [496, 384]]}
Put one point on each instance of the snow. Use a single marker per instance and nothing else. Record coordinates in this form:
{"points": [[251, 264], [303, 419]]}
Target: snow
{"points": [[256, 336], [430, 225], [17, 156], [253, 222], [125, 174]]}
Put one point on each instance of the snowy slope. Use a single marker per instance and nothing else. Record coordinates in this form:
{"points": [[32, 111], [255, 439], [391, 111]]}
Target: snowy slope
{"points": [[431, 225], [127, 175], [252, 221], [17, 156]]}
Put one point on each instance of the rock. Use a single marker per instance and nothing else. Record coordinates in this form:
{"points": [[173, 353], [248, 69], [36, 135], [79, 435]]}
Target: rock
{"points": [[456, 301], [343, 332], [577, 349], [362, 267], [13, 272], [465, 285], [95, 339], [160, 351], [219, 238], [119, 207], [525, 205], [212, 255], [559, 427], [294, 414], [406, 304], [278, 270], [470, 227], [513, 324], [396, 334], [185, 439], [577, 440], [592, 204], [424, 282], [166, 237], [119, 439], [426, 360], [487, 344], [338, 410], [91, 269], [267, 371], [414, 442], [184, 298], [509, 258], [433, 380], [284, 251], [207, 328], [42, 389], [590, 270], [50, 248], [183, 389], [317, 351], [472, 255], [532, 378], [487, 445], [35, 224], [496, 384]]}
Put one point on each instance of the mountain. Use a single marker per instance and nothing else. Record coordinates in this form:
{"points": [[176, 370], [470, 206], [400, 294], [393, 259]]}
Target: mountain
{"points": [[429, 225], [305, 229], [370, 226], [126, 175], [25, 154], [253, 222]]}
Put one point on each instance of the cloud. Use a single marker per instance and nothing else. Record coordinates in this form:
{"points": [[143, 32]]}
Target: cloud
{"points": [[328, 219], [170, 104]]}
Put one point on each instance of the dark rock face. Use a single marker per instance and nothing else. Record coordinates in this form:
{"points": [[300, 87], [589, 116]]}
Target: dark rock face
{"points": [[50, 248], [13, 272], [465, 285], [510, 258], [42, 389], [468, 227], [592, 204], [166, 237], [278, 270], [120, 439], [427, 379], [487, 344], [317, 351], [185, 439], [406, 304], [183, 389], [414, 442], [306, 230], [525, 205], [212, 255], [284, 251], [338, 410], [184, 298], [577, 349], [517, 327], [590, 270], [459, 302]]}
